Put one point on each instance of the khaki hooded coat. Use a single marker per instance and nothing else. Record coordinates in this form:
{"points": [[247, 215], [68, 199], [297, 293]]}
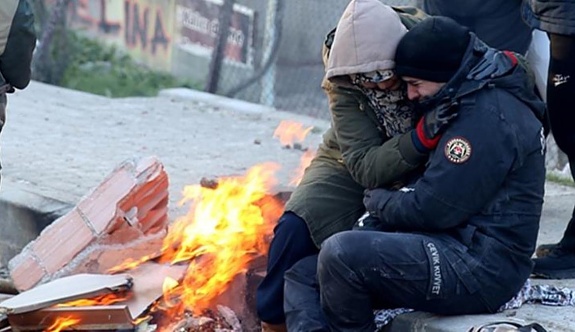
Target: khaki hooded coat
{"points": [[355, 153]]}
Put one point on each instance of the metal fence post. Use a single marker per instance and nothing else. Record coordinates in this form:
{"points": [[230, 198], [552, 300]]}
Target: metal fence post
{"points": [[267, 94]]}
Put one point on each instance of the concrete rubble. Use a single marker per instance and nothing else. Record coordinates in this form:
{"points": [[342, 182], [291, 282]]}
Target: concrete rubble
{"points": [[123, 218]]}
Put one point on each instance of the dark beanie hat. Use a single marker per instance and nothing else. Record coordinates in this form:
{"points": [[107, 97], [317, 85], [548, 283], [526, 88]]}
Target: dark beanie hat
{"points": [[432, 50]]}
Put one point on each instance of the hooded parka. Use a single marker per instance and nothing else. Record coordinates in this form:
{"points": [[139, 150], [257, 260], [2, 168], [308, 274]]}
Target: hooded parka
{"points": [[356, 153]]}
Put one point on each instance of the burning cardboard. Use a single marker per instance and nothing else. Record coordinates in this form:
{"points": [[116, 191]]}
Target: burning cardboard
{"points": [[65, 289], [112, 317]]}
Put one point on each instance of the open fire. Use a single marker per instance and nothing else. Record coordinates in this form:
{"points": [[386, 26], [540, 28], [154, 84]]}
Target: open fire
{"points": [[227, 226]]}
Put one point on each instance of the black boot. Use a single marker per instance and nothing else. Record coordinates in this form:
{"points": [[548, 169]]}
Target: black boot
{"points": [[559, 263]]}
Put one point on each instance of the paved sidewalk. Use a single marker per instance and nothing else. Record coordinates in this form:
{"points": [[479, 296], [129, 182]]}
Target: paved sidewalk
{"points": [[60, 143]]}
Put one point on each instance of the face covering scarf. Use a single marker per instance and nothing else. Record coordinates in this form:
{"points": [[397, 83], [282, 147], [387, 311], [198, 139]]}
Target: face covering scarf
{"points": [[393, 110]]}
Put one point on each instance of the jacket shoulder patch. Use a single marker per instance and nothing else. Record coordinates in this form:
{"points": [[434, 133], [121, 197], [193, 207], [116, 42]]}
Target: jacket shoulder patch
{"points": [[457, 150]]}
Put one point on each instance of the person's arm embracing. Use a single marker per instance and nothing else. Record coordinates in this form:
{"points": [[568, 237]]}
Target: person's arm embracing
{"points": [[470, 164], [372, 159], [17, 42]]}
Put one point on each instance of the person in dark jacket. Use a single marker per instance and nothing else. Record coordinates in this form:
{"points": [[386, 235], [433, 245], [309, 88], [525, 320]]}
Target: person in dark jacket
{"points": [[459, 239], [368, 145], [498, 23], [17, 42], [557, 18]]}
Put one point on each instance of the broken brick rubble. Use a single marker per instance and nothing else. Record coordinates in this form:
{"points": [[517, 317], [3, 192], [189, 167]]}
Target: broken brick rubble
{"points": [[125, 217]]}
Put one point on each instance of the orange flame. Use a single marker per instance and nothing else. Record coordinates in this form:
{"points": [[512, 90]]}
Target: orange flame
{"points": [[225, 229], [130, 264], [290, 132], [62, 323], [304, 162], [106, 299]]}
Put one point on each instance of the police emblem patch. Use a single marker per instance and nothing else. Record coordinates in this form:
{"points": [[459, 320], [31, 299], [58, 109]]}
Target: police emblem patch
{"points": [[457, 150]]}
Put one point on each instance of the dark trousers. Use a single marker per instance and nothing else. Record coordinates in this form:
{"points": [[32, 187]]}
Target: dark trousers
{"points": [[560, 104], [359, 271], [291, 242], [302, 302]]}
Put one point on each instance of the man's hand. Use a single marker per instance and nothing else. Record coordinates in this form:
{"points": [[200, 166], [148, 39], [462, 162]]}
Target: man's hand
{"points": [[373, 199], [432, 124], [494, 63]]}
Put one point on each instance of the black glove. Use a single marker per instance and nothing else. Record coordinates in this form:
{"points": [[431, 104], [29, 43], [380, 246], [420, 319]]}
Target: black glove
{"points": [[375, 199], [494, 63], [432, 124]]}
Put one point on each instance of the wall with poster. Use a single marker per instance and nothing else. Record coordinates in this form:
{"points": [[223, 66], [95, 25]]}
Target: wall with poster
{"points": [[197, 27], [151, 30]]}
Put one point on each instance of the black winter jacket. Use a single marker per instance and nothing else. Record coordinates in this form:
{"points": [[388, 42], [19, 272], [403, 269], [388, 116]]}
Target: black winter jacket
{"points": [[483, 187], [555, 16], [498, 23]]}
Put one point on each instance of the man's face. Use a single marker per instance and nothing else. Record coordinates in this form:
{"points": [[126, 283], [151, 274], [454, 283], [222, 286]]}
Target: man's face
{"points": [[417, 89]]}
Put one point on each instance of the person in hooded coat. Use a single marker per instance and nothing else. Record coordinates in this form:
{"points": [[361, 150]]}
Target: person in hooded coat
{"points": [[368, 145], [458, 239], [371, 143]]}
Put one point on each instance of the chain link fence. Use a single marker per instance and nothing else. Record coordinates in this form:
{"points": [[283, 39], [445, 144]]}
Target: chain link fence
{"points": [[270, 54], [293, 33]]}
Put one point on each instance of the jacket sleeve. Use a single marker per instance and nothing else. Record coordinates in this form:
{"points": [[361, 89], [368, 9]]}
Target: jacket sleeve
{"points": [[17, 42], [410, 16], [464, 174], [372, 160]]}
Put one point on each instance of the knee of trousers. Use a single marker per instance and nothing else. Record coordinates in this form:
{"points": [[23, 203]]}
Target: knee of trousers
{"points": [[335, 250], [292, 231], [303, 271]]}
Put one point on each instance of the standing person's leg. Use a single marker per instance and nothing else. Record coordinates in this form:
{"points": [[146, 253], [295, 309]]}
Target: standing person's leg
{"points": [[291, 243], [3, 102], [560, 263], [302, 303], [362, 270]]}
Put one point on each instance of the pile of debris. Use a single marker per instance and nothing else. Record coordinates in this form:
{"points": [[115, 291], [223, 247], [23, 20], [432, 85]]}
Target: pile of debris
{"points": [[104, 265]]}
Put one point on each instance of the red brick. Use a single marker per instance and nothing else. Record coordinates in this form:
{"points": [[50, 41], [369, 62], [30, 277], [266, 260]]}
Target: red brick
{"points": [[148, 168], [155, 218], [98, 234], [101, 206], [122, 235], [62, 241], [26, 272], [151, 188]]}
